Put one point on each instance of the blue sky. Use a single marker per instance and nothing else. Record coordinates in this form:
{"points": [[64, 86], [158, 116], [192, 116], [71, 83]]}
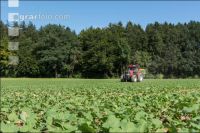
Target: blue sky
{"points": [[100, 13]]}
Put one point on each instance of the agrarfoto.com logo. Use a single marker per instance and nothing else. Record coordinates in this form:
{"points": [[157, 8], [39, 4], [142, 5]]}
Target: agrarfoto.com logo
{"points": [[32, 17]]}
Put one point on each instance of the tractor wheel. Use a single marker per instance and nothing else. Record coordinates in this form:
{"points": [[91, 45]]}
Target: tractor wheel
{"points": [[134, 78], [140, 78], [122, 78]]}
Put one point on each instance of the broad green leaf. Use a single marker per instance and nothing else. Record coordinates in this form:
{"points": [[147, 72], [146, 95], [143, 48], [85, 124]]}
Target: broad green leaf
{"points": [[112, 122], [4, 109], [13, 117], [49, 120], [23, 116], [69, 128], [127, 126], [24, 128], [88, 116], [142, 126], [86, 128], [194, 125], [9, 128], [140, 115], [115, 129], [157, 123]]}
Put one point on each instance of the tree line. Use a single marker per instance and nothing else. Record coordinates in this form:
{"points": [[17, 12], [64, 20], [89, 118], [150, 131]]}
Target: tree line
{"points": [[164, 49]]}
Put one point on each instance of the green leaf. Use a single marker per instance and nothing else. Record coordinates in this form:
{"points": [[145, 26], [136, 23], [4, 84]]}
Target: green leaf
{"points": [[88, 116], [13, 117], [69, 128], [140, 115], [196, 118], [127, 126], [162, 130], [23, 116], [49, 120], [8, 128], [195, 125], [183, 130], [24, 129], [112, 122], [157, 123], [115, 129], [194, 108], [4, 109], [142, 126], [86, 128], [71, 117]]}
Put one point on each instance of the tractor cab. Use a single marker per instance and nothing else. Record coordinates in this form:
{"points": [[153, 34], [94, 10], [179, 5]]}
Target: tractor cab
{"points": [[133, 68]]}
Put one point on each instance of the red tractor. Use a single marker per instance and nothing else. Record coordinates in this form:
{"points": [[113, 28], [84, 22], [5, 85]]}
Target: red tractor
{"points": [[134, 74]]}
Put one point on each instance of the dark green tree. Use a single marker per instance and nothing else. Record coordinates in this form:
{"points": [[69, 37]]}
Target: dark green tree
{"points": [[54, 50]]}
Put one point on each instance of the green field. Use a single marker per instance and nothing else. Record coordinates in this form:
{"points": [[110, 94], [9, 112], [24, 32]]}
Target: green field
{"points": [[100, 105]]}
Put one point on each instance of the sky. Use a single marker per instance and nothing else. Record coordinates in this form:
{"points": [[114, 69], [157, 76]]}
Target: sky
{"points": [[83, 14]]}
